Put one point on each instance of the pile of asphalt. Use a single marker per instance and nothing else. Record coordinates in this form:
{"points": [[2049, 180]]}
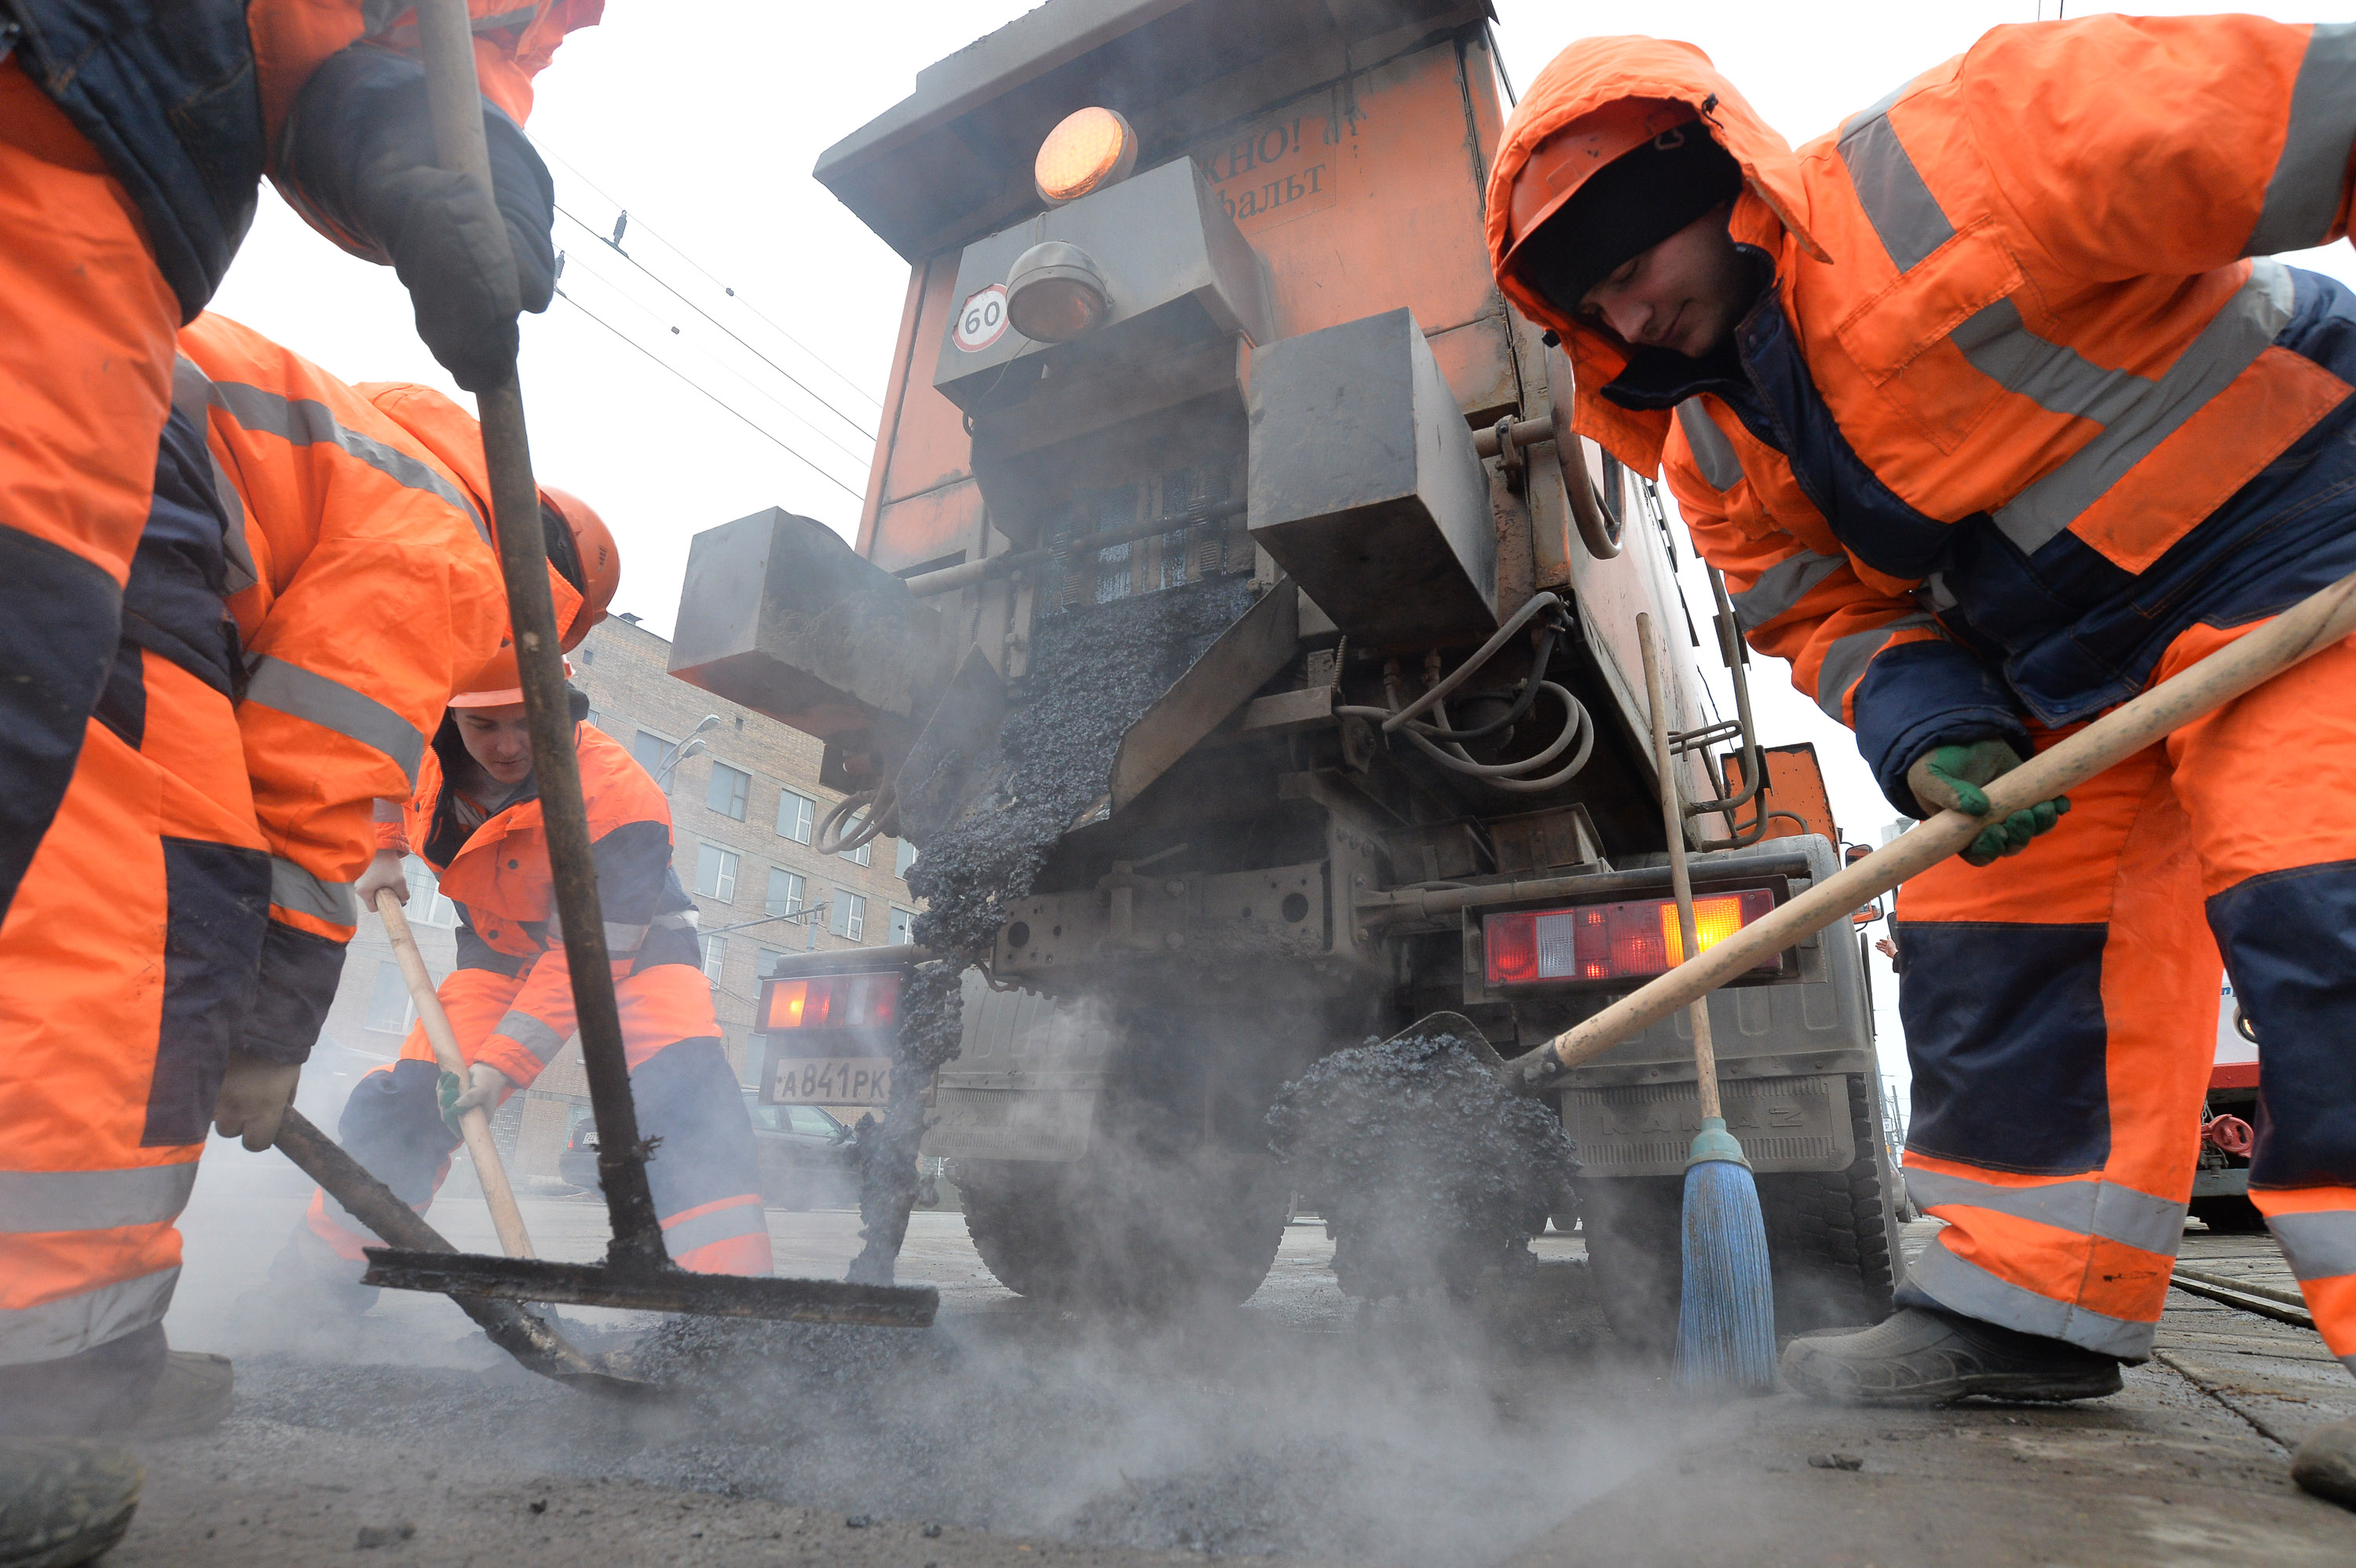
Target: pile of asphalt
{"points": [[1093, 671], [1429, 1169]]}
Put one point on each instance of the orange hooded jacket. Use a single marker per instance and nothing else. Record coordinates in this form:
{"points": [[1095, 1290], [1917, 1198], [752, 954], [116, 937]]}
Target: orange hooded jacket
{"points": [[497, 872], [2001, 425]]}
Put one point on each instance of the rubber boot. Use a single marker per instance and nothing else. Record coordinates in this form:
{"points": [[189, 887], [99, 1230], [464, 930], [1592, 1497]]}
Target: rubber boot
{"points": [[63, 1500], [2324, 1464], [1919, 1356], [193, 1395]]}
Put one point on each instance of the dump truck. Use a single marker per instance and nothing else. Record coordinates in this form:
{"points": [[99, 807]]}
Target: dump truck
{"points": [[1205, 410]]}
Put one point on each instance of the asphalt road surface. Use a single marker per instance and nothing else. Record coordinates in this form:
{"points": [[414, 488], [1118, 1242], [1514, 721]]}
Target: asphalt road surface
{"points": [[1293, 1427]]}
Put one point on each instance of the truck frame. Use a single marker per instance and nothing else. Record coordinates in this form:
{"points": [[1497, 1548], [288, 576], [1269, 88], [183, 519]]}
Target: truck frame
{"points": [[1303, 390]]}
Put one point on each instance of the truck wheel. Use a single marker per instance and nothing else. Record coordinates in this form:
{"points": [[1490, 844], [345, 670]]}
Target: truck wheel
{"points": [[1826, 1241], [1110, 1231], [2229, 1214]]}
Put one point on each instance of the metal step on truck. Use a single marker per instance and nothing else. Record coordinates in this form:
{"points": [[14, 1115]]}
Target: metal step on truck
{"points": [[1206, 423]]}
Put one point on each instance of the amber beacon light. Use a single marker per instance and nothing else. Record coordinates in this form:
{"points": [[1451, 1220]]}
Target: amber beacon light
{"points": [[1087, 150]]}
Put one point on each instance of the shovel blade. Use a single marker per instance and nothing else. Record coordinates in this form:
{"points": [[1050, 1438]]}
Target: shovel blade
{"points": [[658, 1290], [1457, 1028]]}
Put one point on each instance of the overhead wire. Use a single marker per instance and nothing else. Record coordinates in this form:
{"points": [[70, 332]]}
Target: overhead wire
{"points": [[660, 282], [860, 458], [759, 430], [674, 249]]}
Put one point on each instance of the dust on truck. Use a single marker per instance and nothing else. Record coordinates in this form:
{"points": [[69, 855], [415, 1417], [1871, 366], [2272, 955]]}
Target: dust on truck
{"points": [[1272, 364]]}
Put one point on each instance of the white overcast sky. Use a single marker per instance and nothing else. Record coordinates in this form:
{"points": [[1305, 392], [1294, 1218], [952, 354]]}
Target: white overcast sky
{"points": [[706, 129]]}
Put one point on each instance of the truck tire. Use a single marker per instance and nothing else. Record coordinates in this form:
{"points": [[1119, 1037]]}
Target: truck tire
{"points": [[1826, 1241], [1108, 1232]]}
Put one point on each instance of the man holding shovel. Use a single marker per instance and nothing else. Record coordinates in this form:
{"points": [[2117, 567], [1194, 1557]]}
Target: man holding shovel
{"points": [[1995, 410]]}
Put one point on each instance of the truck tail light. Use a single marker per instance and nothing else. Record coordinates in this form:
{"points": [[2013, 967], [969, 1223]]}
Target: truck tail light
{"points": [[833, 1001], [1623, 941]]}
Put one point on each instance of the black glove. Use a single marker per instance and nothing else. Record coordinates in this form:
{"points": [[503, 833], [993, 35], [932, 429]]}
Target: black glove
{"points": [[356, 161]]}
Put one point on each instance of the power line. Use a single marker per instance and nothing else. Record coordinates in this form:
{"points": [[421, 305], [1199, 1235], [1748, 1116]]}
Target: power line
{"points": [[860, 458], [665, 241], [723, 326], [699, 387]]}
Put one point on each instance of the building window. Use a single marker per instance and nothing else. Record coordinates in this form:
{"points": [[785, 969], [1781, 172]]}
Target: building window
{"points": [[795, 813], [648, 748], [849, 917], [389, 1009], [770, 959], [596, 720], [862, 856], [902, 921], [715, 954], [729, 788], [716, 874], [588, 655], [786, 891], [428, 906], [902, 857]]}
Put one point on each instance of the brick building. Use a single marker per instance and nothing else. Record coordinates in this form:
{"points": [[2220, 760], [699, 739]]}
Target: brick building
{"points": [[744, 808]]}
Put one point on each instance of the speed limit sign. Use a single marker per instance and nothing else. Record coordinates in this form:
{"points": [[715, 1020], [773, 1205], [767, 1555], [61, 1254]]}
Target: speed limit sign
{"points": [[981, 320]]}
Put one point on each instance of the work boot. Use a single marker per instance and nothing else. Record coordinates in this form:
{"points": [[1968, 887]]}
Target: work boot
{"points": [[2324, 1464], [63, 1500], [1922, 1356], [194, 1394]]}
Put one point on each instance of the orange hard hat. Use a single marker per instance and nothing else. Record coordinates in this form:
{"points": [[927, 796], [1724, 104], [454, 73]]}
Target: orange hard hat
{"points": [[497, 684], [1566, 160], [593, 553]]}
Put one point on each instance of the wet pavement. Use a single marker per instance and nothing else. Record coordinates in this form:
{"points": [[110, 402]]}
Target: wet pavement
{"points": [[1298, 1425]]}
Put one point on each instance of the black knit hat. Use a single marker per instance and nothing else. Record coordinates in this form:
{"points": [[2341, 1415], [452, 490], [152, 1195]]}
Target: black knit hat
{"points": [[1628, 206]]}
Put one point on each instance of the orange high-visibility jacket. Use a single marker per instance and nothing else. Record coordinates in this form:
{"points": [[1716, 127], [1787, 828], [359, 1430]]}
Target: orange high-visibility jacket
{"points": [[363, 587], [498, 874], [191, 109], [2022, 398]]}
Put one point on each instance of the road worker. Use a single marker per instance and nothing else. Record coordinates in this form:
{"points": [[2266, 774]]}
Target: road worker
{"points": [[130, 155], [475, 819], [1995, 410]]}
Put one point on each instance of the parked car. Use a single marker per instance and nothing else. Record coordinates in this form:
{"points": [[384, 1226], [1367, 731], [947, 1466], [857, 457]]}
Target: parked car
{"points": [[807, 1156]]}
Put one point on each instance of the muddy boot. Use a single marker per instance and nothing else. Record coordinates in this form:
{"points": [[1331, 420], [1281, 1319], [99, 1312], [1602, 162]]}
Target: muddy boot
{"points": [[2324, 1464], [1920, 1356], [63, 1500]]}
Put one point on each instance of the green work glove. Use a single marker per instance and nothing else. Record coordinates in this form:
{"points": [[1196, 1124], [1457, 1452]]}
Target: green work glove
{"points": [[1948, 778], [485, 1086]]}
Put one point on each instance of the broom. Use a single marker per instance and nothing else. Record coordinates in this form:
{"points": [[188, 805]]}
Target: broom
{"points": [[1726, 1313]]}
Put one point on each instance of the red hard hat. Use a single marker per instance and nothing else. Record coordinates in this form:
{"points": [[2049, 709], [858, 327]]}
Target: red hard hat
{"points": [[593, 547], [1565, 161]]}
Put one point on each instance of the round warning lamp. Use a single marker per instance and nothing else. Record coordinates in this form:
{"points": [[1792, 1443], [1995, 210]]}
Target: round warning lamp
{"points": [[1090, 149], [1056, 293]]}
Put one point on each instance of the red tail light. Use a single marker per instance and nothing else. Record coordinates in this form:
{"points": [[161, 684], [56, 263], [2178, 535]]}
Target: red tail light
{"points": [[833, 1001], [1611, 942]]}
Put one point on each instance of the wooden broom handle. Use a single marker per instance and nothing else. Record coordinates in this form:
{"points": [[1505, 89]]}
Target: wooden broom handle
{"points": [[1672, 818], [2307, 628], [475, 1126]]}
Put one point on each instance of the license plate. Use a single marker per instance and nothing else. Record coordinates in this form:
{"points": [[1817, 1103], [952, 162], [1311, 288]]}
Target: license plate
{"points": [[829, 1080]]}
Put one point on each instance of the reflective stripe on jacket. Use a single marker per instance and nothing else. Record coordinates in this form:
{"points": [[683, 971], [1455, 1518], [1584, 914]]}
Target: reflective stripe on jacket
{"points": [[498, 874], [363, 582], [2023, 399], [185, 101]]}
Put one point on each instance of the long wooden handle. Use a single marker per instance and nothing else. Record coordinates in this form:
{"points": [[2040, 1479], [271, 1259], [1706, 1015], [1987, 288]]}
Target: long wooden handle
{"points": [[1673, 820], [475, 1126], [2307, 628]]}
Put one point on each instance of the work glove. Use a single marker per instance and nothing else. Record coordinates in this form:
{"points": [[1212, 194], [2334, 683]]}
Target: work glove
{"points": [[485, 1087], [253, 1097], [1948, 778], [359, 164], [383, 872]]}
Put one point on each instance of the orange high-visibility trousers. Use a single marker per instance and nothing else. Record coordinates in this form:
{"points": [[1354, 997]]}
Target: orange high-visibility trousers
{"points": [[2061, 1019], [86, 325], [127, 966], [705, 1174]]}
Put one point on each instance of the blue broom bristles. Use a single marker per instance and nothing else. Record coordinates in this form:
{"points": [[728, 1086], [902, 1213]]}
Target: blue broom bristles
{"points": [[1726, 1321]]}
